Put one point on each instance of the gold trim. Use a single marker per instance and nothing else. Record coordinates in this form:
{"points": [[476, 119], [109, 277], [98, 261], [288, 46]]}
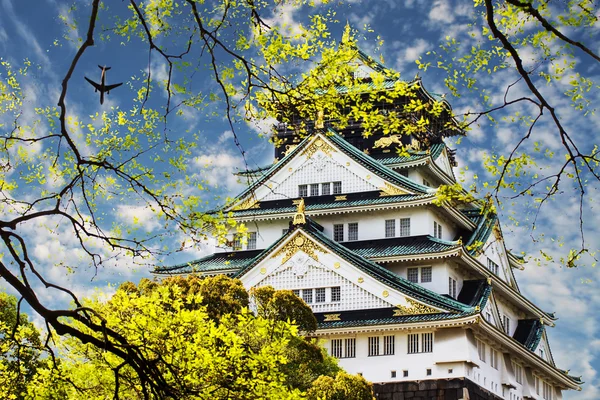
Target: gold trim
{"points": [[247, 204], [390, 190], [414, 308], [263, 270], [368, 177], [299, 243], [336, 265], [386, 293], [340, 198], [361, 279], [299, 218], [387, 141], [318, 144], [290, 169], [347, 163], [332, 317]]}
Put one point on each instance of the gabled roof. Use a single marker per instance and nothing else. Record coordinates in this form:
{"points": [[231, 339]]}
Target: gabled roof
{"points": [[332, 138], [314, 204], [370, 268], [529, 333], [385, 316], [226, 262]]}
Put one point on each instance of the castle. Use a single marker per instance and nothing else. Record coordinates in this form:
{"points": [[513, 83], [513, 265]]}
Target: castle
{"points": [[417, 295]]}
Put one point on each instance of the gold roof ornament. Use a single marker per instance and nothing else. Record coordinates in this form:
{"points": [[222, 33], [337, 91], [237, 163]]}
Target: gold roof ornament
{"points": [[299, 217], [319, 123]]}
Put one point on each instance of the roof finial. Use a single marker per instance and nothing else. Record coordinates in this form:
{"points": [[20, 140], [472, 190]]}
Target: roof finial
{"points": [[299, 218], [319, 124]]}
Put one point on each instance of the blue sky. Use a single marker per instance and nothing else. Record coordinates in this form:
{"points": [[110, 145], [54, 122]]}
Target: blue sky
{"points": [[409, 30]]}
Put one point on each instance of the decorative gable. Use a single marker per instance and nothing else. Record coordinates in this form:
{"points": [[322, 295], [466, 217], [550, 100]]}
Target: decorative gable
{"points": [[320, 161], [302, 263], [443, 162]]}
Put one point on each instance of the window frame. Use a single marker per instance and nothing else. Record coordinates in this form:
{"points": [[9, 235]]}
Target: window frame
{"points": [[337, 187], [390, 228], [352, 231], [404, 227], [302, 191], [338, 293], [313, 189], [252, 241]]}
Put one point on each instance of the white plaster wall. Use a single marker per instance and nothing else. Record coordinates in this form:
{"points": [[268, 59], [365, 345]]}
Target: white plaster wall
{"points": [[440, 272]]}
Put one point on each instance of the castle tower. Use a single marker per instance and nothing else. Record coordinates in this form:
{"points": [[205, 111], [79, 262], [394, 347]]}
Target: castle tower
{"points": [[419, 297]]}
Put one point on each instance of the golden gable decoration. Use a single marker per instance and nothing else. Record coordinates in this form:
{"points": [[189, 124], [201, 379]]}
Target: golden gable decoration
{"points": [[332, 317], [247, 204], [390, 190], [387, 141], [299, 243], [318, 144], [414, 308]]}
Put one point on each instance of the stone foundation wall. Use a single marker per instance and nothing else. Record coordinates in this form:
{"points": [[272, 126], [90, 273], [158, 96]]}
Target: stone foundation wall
{"points": [[431, 390]]}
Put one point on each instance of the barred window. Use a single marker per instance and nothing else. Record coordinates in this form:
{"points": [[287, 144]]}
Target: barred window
{"points": [[336, 293], [518, 372], [506, 323], [427, 342], [296, 292], [336, 348], [237, 242], [412, 274], [452, 287], [325, 189], [353, 231], [314, 189], [437, 230], [320, 295], [547, 391], [413, 343], [492, 266], [426, 274], [350, 348], [337, 187], [302, 190], [373, 346], [494, 358], [404, 226], [338, 232], [388, 345], [538, 385], [307, 295], [390, 228], [481, 350], [251, 241]]}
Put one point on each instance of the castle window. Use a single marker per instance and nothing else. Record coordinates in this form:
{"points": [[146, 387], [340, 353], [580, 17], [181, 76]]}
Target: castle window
{"points": [[350, 348], [494, 358], [404, 226], [437, 230], [428, 371], [307, 295], [296, 292], [314, 189], [427, 342], [320, 295], [481, 350], [338, 232], [547, 391], [413, 343], [336, 348], [237, 242], [388, 345], [390, 228], [492, 266], [302, 191], [373, 346], [336, 294], [425, 274], [412, 274], [393, 374], [353, 231], [325, 189], [405, 373], [506, 324], [251, 241], [337, 187], [518, 372], [452, 287]]}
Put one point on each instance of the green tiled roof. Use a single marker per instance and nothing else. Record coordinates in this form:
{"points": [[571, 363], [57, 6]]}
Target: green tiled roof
{"points": [[404, 246], [529, 333], [389, 320], [318, 203], [483, 231], [385, 316], [228, 261], [434, 151], [374, 165]]}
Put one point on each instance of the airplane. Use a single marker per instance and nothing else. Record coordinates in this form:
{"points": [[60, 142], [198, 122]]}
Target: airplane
{"points": [[102, 87]]}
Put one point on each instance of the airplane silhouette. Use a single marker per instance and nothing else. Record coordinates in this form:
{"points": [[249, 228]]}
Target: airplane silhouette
{"points": [[102, 87]]}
